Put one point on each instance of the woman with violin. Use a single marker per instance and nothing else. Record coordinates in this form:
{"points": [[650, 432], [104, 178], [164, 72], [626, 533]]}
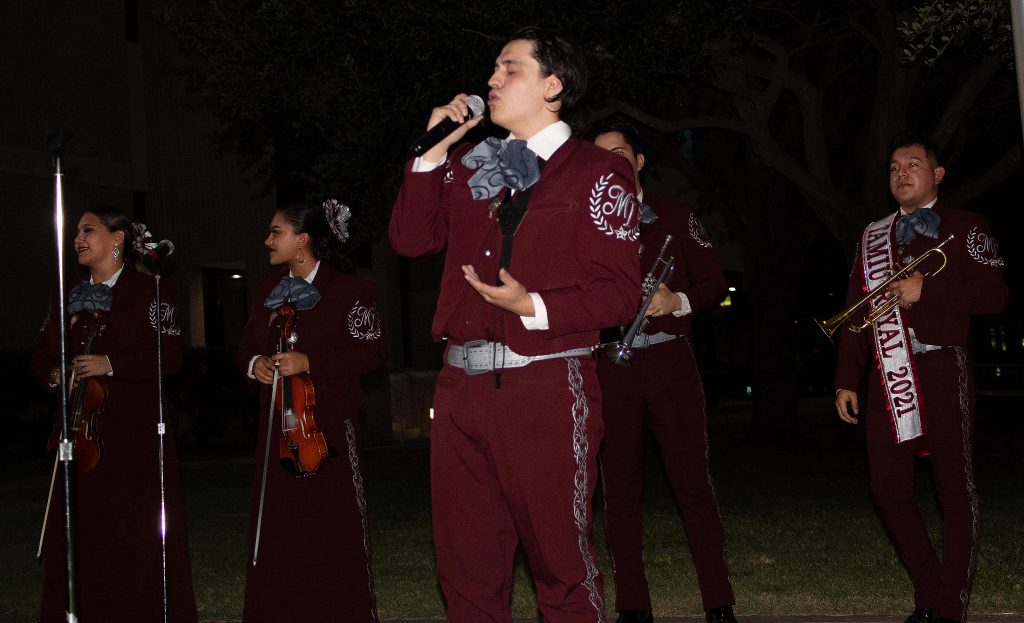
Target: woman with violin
{"points": [[113, 406], [313, 330]]}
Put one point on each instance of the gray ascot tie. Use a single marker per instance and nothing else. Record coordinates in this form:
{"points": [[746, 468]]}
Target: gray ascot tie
{"points": [[501, 164], [647, 214], [923, 221], [87, 296], [293, 290]]}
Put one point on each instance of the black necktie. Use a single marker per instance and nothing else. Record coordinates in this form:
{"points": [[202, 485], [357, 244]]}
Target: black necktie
{"points": [[510, 215]]}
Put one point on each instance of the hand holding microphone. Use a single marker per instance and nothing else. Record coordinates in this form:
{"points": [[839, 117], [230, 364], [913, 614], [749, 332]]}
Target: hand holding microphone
{"points": [[447, 125]]}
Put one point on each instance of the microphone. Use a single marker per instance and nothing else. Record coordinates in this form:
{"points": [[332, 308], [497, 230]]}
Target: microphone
{"points": [[162, 249], [437, 133], [56, 139]]}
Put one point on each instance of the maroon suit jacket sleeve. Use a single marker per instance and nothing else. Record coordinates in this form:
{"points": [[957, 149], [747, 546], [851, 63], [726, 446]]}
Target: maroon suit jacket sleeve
{"points": [[707, 285], [419, 219], [854, 348], [256, 338], [697, 273], [979, 286], [609, 265]]}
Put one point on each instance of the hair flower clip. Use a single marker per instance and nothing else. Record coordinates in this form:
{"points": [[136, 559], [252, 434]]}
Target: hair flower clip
{"points": [[337, 215], [142, 240]]}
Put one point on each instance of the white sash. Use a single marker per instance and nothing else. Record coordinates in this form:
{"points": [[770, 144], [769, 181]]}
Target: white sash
{"points": [[891, 338]]}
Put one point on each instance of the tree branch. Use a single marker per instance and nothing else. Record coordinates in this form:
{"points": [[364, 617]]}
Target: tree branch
{"points": [[967, 93], [971, 189], [811, 112]]}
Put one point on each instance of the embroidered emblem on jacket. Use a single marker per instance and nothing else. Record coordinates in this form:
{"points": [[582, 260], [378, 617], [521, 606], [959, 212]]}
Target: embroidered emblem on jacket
{"points": [[698, 232], [610, 204], [168, 318], [983, 248], [363, 323]]}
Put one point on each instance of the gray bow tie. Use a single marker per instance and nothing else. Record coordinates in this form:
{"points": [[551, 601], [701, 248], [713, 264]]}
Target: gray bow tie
{"points": [[647, 214], [293, 290], [923, 221], [501, 164], [90, 297]]}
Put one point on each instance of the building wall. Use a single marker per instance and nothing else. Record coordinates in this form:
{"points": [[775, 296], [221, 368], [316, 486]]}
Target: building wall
{"points": [[142, 142]]}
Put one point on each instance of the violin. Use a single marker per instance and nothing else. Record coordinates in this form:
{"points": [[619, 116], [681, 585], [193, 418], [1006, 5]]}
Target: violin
{"points": [[302, 448], [85, 406]]}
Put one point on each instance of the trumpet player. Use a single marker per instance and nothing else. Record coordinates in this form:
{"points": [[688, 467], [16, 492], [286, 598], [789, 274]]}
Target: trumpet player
{"points": [[920, 390], [662, 391]]}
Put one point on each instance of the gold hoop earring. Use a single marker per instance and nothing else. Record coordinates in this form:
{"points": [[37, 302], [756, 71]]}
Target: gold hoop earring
{"points": [[300, 257]]}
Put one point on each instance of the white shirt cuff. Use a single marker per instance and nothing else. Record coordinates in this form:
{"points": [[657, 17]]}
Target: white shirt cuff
{"points": [[420, 165], [539, 320], [111, 373], [252, 362], [685, 309]]}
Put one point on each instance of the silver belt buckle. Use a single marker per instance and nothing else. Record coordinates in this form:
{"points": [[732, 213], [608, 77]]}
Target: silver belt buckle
{"points": [[477, 345]]}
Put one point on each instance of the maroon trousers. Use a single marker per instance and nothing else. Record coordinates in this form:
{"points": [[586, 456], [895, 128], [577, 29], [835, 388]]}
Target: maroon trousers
{"points": [[947, 401], [517, 465], [662, 391]]}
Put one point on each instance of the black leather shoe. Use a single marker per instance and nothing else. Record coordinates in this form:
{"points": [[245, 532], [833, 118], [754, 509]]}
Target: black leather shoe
{"points": [[920, 615], [721, 614], [635, 616]]}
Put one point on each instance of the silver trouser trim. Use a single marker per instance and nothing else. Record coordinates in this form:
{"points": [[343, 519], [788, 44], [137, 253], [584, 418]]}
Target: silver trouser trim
{"points": [[480, 356], [581, 486], [643, 340]]}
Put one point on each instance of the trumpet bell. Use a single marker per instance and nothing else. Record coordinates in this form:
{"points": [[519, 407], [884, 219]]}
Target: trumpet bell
{"points": [[829, 326], [618, 353]]}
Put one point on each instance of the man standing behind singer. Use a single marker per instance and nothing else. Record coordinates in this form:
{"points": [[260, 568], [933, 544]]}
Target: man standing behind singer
{"points": [[921, 387], [541, 238], [662, 391]]}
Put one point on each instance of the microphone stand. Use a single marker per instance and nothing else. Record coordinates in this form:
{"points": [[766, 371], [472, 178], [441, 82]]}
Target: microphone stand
{"points": [[56, 141], [161, 429]]}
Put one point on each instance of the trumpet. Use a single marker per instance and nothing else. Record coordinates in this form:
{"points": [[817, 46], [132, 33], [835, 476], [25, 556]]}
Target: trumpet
{"points": [[831, 325], [621, 352]]}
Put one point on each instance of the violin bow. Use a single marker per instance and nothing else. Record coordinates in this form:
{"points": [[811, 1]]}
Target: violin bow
{"points": [[266, 461]]}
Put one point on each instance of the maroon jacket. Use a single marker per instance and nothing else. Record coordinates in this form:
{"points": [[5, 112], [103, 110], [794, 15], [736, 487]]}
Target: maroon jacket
{"points": [[971, 283], [118, 503], [697, 274], [578, 240], [341, 334]]}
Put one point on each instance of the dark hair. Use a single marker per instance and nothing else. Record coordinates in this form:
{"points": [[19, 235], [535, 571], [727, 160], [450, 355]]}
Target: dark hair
{"points": [[909, 139], [116, 220], [310, 220], [557, 55], [621, 124]]}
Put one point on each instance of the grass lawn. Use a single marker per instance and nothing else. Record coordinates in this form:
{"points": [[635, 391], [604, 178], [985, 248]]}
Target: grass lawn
{"points": [[802, 535]]}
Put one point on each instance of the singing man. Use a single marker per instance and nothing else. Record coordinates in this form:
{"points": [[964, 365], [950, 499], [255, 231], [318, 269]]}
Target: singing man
{"points": [[541, 238]]}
